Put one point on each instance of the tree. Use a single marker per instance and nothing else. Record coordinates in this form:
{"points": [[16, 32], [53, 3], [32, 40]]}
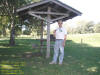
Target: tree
{"points": [[97, 28], [9, 9], [88, 27], [84, 27]]}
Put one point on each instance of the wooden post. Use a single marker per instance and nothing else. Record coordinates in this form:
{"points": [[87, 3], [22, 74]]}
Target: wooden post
{"points": [[81, 40], [41, 40], [48, 34]]}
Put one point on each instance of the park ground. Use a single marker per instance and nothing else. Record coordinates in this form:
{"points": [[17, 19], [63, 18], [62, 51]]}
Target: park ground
{"points": [[82, 57]]}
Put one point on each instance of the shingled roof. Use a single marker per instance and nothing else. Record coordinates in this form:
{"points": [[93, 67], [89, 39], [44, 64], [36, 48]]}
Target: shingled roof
{"points": [[56, 6]]}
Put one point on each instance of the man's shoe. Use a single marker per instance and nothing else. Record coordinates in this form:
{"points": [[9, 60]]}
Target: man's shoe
{"points": [[52, 62], [60, 63]]}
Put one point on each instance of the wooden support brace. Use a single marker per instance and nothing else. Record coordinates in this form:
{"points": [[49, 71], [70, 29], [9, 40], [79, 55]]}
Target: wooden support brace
{"points": [[39, 17]]}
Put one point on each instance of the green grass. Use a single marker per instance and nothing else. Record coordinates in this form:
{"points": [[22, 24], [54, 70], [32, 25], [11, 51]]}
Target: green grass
{"points": [[81, 58], [90, 39]]}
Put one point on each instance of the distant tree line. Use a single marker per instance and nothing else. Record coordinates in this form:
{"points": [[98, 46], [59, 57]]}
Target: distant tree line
{"points": [[84, 27]]}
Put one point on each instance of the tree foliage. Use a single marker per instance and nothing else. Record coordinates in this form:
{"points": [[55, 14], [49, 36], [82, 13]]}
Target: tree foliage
{"points": [[8, 9], [84, 27], [97, 28]]}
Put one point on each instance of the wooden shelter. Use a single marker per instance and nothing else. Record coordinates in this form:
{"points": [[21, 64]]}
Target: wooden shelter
{"points": [[49, 11]]}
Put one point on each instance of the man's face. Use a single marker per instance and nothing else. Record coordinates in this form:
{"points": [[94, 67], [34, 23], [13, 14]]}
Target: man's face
{"points": [[60, 23]]}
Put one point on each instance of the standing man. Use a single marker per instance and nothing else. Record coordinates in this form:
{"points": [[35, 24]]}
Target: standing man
{"points": [[60, 35]]}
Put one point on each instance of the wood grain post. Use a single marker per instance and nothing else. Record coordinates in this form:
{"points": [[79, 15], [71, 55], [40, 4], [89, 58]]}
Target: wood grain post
{"points": [[48, 34]]}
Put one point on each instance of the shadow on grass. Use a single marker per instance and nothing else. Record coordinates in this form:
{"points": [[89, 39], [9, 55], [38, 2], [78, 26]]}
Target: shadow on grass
{"points": [[18, 51], [81, 59]]}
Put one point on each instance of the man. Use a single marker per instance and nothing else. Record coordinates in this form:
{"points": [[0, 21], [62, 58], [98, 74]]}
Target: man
{"points": [[60, 35]]}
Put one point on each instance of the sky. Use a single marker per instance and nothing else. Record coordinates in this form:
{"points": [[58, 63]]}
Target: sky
{"points": [[90, 10]]}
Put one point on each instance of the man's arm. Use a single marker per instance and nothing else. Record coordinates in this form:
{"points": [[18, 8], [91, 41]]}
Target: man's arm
{"points": [[64, 40], [54, 33]]}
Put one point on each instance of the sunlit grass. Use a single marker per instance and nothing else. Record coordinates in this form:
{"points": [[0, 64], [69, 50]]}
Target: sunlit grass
{"points": [[92, 69], [11, 67], [90, 39], [6, 67], [4, 47]]}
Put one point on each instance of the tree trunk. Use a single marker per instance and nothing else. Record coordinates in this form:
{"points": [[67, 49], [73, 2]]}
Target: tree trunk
{"points": [[12, 33], [4, 31]]}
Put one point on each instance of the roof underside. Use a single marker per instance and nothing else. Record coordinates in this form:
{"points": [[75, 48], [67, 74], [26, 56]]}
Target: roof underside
{"points": [[56, 6]]}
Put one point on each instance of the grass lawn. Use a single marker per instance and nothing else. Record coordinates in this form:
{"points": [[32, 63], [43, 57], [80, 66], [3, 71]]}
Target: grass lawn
{"points": [[82, 57]]}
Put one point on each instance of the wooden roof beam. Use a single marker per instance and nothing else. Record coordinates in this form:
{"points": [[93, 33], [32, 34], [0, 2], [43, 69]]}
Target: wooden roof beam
{"points": [[59, 18], [40, 8], [32, 5], [51, 13]]}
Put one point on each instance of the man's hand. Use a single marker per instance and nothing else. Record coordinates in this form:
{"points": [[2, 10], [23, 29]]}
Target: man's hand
{"points": [[63, 44]]}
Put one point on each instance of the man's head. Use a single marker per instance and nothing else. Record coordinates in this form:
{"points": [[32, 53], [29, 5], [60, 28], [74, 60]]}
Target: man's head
{"points": [[60, 22]]}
